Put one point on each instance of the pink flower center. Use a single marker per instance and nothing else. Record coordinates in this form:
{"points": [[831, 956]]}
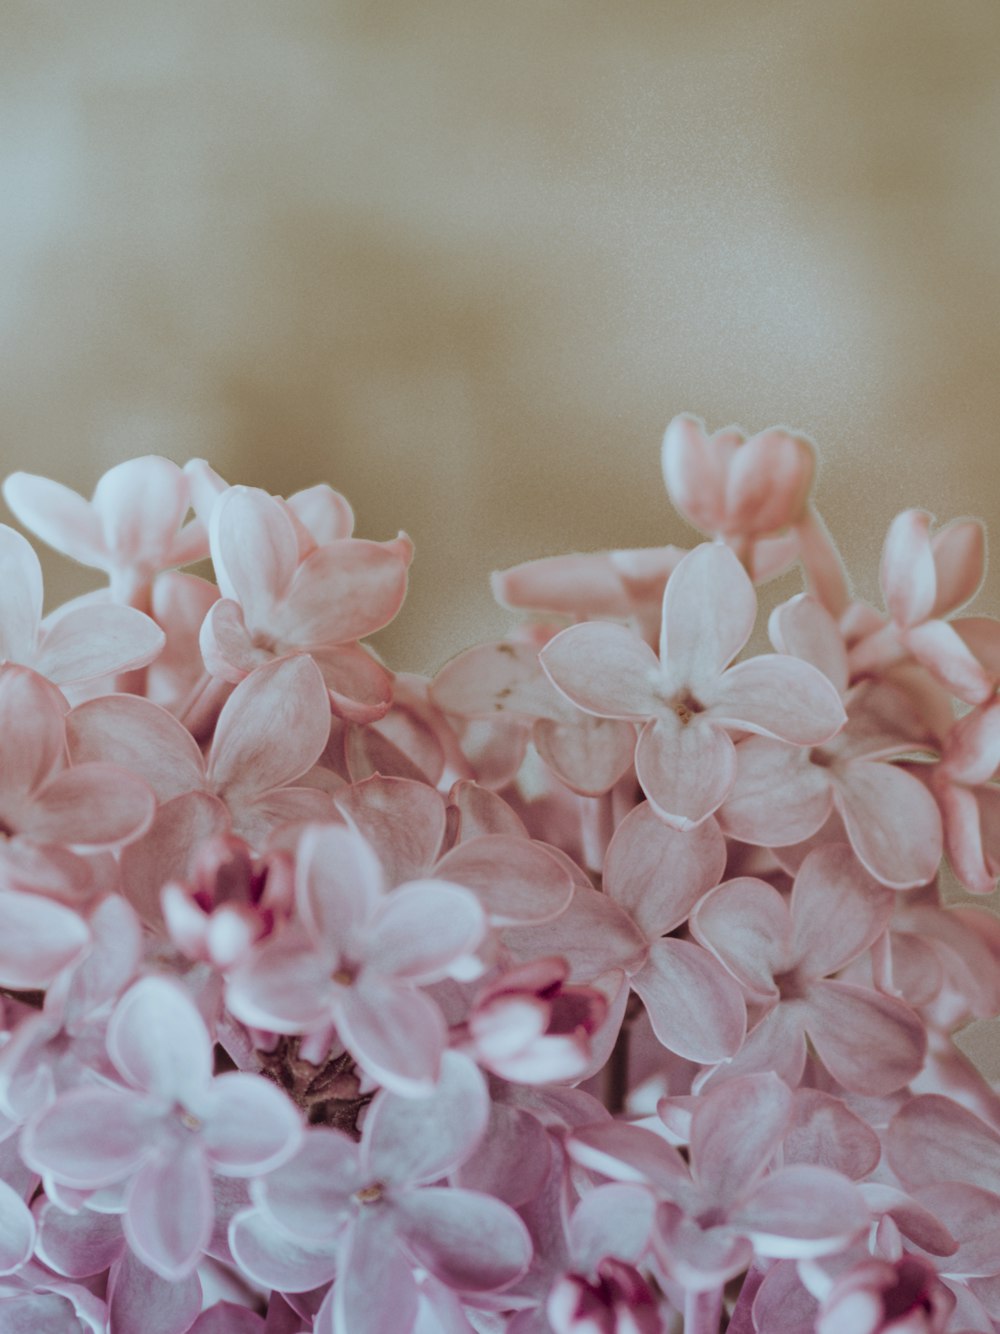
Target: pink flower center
{"points": [[684, 705]]}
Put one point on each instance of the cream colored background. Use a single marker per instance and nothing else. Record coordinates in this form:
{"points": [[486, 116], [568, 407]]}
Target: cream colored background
{"points": [[465, 260]]}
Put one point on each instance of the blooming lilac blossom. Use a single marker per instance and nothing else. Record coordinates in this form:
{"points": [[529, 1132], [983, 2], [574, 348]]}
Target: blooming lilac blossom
{"points": [[335, 1000]]}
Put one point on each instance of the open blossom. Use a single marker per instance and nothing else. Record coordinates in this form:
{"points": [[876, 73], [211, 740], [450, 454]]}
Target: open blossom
{"points": [[690, 698], [132, 528], [166, 1129], [358, 957], [275, 601], [787, 955], [370, 1213]]}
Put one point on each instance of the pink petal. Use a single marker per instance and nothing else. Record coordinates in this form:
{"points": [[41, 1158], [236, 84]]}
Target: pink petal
{"points": [[360, 688], [686, 771], [963, 835], [802, 1211], [413, 1141], [777, 696], [342, 592], [338, 881], [630, 1153], [746, 924], [589, 754], [870, 1043], [250, 1125], [803, 628], [700, 1259], [708, 613], [324, 512], [514, 879], [779, 797], [394, 1031], [312, 1196], [824, 1130], [636, 874], [933, 1138], [80, 1244], [972, 751], [284, 986], [496, 678], [611, 1220], [604, 669], [405, 820], [92, 805], [959, 561], [735, 1132], [32, 731], [140, 504], [421, 928], [768, 482], [469, 1241], [375, 1292], [141, 1302], [90, 642], [272, 729], [158, 1040], [777, 1044], [694, 470], [838, 911], [91, 1137], [945, 654], [892, 821], [254, 551], [165, 851], [17, 1230], [695, 1007], [824, 567], [907, 574], [134, 734], [38, 939], [272, 1260], [227, 647], [169, 1211], [59, 516], [593, 935], [20, 597], [257, 819]]}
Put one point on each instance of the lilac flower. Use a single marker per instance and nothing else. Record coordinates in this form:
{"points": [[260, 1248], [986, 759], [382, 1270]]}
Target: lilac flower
{"points": [[689, 697], [165, 1130]]}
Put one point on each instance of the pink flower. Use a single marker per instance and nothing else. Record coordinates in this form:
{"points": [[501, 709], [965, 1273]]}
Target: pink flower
{"points": [[685, 759], [358, 959], [370, 1213], [923, 579], [969, 800], [783, 795], [166, 1129], [277, 601], [725, 1204], [785, 956], [131, 528], [78, 643]]}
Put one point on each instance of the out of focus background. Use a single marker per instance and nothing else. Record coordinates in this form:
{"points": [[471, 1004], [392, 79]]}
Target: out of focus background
{"points": [[465, 261]]}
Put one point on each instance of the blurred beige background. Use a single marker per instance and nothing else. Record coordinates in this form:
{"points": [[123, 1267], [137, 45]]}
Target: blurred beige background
{"points": [[464, 261]]}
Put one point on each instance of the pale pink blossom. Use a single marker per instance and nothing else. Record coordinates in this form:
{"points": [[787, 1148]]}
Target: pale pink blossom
{"points": [[689, 698], [370, 1213], [359, 956], [165, 1129], [923, 580], [275, 601], [787, 955], [131, 529]]}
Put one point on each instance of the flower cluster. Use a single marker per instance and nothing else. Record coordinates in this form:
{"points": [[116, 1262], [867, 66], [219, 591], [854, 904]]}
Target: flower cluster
{"points": [[602, 984]]}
